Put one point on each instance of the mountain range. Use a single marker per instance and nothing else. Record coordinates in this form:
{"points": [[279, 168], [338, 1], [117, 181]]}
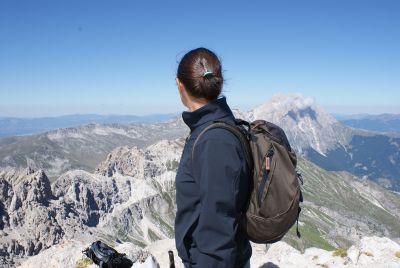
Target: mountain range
{"points": [[379, 123], [14, 126], [80, 147], [313, 133]]}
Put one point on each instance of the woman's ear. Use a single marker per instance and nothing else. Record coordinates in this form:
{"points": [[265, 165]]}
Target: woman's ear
{"points": [[181, 87], [182, 91]]}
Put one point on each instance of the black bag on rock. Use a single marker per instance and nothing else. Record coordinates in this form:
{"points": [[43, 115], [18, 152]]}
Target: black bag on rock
{"points": [[106, 257]]}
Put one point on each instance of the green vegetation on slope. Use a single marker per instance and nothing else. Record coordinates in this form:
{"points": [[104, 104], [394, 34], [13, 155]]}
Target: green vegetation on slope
{"points": [[337, 205]]}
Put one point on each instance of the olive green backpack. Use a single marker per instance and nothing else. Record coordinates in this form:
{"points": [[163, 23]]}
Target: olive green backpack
{"points": [[273, 207]]}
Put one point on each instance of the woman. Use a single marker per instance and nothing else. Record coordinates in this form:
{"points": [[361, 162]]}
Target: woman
{"points": [[212, 178]]}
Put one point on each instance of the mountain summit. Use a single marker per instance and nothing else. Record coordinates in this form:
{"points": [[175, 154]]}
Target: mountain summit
{"points": [[306, 124], [331, 144]]}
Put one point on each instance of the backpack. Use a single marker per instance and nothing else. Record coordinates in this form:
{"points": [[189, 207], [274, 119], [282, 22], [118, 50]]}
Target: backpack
{"points": [[106, 257], [273, 205]]}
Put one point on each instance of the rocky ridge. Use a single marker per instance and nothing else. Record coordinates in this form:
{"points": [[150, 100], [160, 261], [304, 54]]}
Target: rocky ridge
{"points": [[35, 215], [81, 147], [131, 198], [368, 252]]}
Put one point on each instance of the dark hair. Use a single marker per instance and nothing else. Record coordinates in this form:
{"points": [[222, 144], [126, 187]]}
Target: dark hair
{"points": [[201, 73]]}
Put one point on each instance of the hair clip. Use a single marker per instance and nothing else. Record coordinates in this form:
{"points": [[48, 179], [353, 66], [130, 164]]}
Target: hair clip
{"points": [[207, 73]]}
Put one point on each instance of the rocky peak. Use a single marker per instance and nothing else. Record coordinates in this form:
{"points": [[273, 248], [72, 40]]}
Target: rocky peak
{"points": [[24, 186], [37, 188], [26, 224], [304, 121], [123, 160], [142, 163], [302, 113], [281, 104], [86, 197]]}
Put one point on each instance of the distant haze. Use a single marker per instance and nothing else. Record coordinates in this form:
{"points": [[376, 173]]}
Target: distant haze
{"points": [[10, 126], [17, 126]]}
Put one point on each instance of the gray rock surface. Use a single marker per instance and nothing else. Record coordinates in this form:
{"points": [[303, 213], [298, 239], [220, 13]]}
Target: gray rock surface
{"points": [[27, 223], [34, 215], [131, 198], [368, 252]]}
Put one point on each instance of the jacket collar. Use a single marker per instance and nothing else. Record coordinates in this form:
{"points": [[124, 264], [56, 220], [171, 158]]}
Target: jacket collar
{"points": [[213, 110]]}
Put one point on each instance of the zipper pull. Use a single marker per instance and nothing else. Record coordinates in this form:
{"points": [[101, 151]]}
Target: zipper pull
{"points": [[267, 163]]}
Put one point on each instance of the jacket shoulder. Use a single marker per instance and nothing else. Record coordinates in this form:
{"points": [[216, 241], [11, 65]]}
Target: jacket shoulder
{"points": [[219, 134]]}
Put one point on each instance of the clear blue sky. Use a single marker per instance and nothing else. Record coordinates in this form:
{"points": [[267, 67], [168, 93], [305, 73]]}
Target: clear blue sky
{"points": [[120, 57]]}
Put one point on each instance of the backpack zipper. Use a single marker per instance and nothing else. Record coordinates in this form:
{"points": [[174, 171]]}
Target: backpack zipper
{"points": [[267, 165]]}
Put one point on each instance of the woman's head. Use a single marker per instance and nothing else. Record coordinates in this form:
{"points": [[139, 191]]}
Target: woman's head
{"points": [[201, 74]]}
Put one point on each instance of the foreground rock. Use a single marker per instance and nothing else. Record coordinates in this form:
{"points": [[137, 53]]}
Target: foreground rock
{"points": [[369, 252]]}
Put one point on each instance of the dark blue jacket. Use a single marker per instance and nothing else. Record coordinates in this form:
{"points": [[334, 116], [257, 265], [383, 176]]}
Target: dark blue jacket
{"points": [[211, 191]]}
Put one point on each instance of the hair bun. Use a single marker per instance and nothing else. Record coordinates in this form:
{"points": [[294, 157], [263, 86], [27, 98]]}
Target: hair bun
{"points": [[200, 72]]}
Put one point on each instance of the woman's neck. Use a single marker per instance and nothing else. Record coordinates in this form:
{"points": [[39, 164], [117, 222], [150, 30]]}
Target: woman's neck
{"points": [[195, 104]]}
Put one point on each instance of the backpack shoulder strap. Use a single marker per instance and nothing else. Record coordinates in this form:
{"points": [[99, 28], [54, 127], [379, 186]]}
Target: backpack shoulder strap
{"points": [[234, 130]]}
